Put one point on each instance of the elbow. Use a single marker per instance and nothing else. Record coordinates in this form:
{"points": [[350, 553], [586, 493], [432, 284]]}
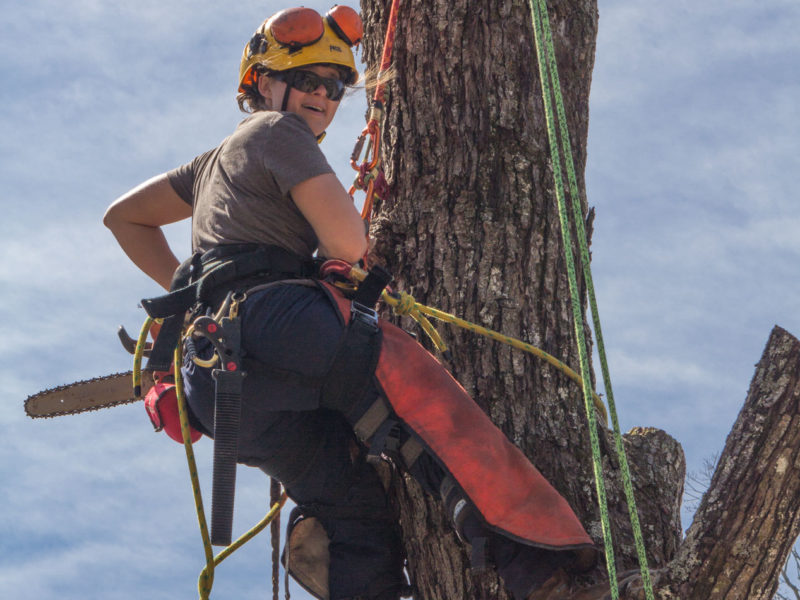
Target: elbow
{"points": [[110, 218], [352, 251], [358, 251], [116, 216]]}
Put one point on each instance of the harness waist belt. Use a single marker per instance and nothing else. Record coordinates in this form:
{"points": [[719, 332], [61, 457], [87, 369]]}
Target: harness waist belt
{"points": [[202, 276]]}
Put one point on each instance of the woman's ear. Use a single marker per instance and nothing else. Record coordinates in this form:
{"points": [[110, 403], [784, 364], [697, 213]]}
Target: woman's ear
{"points": [[263, 83]]}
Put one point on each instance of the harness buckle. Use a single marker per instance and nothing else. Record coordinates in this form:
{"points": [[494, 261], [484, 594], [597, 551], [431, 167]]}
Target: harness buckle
{"points": [[364, 314]]}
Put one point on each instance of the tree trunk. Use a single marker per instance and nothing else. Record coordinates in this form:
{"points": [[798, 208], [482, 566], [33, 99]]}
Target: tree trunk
{"points": [[470, 225]]}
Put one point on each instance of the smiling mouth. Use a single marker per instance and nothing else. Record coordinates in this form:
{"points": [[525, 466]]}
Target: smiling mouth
{"points": [[314, 108]]}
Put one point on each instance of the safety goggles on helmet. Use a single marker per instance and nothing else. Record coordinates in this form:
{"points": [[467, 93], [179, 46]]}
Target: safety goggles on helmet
{"points": [[298, 37], [298, 27], [308, 81]]}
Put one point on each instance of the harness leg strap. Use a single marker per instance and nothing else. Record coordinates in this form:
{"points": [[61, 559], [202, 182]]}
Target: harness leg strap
{"points": [[226, 338], [356, 358], [228, 400]]}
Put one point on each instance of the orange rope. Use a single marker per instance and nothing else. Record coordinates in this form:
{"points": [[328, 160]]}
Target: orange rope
{"points": [[369, 170], [388, 46]]}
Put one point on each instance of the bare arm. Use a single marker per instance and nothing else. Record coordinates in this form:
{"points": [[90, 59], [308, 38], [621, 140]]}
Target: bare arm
{"points": [[136, 218], [330, 211]]}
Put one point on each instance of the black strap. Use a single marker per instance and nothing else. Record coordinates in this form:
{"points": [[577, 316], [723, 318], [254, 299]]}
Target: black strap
{"points": [[171, 307], [480, 559], [200, 274], [354, 364], [223, 267], [227, 414], [225, 335], [181, 294], [344, 513], [358, 351], [369, 290], [386, 439], [214, 273]]}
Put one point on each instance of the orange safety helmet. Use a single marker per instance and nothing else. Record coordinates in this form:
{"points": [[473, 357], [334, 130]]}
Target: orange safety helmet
{"points": [[296, 37]]}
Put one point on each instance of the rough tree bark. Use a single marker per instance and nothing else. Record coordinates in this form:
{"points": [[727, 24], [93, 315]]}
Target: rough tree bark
{"points": [[750, 516], [470, 226]]}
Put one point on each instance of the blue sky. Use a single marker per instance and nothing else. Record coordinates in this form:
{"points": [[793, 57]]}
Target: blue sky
{"points": [[692, 169]]}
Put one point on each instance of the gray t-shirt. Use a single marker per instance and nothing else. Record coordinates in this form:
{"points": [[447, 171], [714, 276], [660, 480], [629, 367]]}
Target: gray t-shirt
{"points": [[239, 191]]}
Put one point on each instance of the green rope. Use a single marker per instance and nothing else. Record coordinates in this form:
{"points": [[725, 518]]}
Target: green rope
{"points": [[546, 54]]}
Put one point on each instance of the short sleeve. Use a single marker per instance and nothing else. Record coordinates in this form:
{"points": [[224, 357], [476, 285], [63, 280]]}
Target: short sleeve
{"points": [[293, 154], [182, 179]]}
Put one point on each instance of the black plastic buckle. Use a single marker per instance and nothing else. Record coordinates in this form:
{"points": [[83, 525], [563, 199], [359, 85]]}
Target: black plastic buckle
{"points": [[363, 314]]}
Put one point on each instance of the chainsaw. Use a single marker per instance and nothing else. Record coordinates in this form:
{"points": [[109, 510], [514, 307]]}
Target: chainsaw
{"points": [[90, 394]]}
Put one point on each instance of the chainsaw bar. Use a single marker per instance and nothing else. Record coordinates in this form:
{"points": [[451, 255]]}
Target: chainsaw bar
{"points": [[83, 396]]}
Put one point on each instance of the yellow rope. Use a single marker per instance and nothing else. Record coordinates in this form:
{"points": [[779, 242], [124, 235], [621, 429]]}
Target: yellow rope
{"points": [[404, 304], [255, 530], [206, 579], [138, 353]]}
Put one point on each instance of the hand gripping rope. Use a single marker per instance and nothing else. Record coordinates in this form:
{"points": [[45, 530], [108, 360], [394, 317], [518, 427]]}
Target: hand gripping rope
{"points": [[551, 89]]}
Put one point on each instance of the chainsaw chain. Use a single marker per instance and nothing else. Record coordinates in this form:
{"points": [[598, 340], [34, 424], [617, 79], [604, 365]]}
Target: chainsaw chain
{"points": [[79, 410]]}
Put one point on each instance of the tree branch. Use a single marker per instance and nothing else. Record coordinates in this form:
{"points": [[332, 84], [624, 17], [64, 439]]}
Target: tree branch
{"points": [[750, 516]]}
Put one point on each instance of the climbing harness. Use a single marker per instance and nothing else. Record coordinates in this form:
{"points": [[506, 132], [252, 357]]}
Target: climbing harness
{"points": [[376, 422], [551, 91]]}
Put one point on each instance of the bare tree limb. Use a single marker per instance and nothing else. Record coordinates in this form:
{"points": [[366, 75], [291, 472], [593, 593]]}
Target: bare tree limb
{"points": [[750, 516]]}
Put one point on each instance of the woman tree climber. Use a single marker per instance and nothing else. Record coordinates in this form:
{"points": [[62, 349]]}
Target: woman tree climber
{"points": [[328, 384]]}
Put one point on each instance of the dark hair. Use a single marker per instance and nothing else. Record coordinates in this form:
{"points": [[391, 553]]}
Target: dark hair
{"points": [[251, 100]]}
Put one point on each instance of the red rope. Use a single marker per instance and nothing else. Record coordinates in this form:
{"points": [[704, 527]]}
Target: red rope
{"points": [[373, 130], [388, 46]]}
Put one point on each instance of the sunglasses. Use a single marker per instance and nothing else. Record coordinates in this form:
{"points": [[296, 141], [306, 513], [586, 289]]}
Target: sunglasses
{"points": [[308, 81], [298, 27]]}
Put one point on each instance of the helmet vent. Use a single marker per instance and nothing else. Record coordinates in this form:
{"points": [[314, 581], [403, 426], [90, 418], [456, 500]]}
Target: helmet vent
{"points": [[258, 44]]}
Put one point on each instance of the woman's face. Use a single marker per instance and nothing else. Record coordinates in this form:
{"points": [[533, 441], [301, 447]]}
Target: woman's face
{"points": [[315, 107]]}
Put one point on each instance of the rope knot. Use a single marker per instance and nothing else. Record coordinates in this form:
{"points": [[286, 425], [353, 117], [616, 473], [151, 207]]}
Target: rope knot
{"points": [[405, 304], [381, 186]]}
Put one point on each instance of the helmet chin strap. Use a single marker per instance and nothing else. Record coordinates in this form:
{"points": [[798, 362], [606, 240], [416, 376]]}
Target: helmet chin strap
{"points": [[285, 105]]}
